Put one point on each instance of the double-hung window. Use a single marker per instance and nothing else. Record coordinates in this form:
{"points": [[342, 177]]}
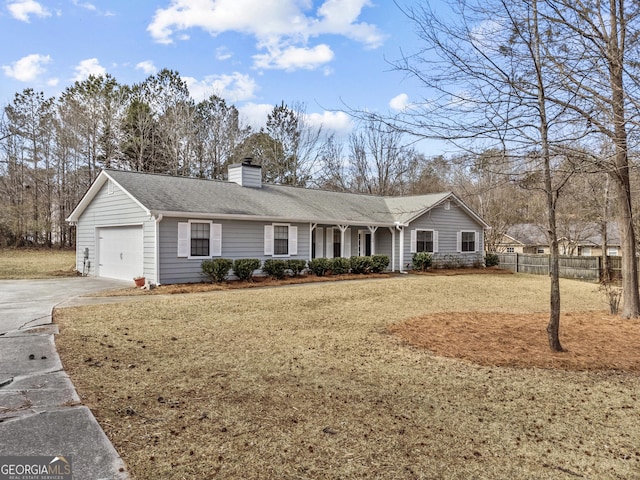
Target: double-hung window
{"points": [[280, 240], [467, 241], [199, 239], [424, 241]]}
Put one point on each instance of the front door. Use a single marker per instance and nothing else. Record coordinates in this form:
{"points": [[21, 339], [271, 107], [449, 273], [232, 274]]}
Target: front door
{"points": [[364, 243]]}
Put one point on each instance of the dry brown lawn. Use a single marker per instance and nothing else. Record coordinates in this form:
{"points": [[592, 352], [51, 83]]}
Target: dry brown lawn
{"points": [[36, 263], [416, 377]]}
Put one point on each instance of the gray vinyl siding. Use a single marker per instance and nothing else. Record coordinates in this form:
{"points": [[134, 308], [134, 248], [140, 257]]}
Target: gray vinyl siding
{"points": [[113, 209], [447, 223], [384, 244], [240, 239]]}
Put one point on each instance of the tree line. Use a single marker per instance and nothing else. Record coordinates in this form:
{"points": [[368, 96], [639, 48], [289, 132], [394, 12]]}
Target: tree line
{"points": [[51, 149]]}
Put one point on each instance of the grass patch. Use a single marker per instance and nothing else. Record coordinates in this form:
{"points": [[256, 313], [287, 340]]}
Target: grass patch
{"points": [[309, 382], [36, 263]]}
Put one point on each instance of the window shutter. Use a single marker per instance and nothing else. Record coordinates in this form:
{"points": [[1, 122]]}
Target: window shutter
{"points": [[458, 242], [476, 243], [319, 242], [329, 250], [215, 242], [347, 243], [268, 239], [293, 240], [435, 241], [183, 239], [414, 241]]}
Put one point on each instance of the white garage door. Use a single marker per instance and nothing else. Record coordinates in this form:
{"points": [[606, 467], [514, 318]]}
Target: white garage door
{"points": [[120, 252]]}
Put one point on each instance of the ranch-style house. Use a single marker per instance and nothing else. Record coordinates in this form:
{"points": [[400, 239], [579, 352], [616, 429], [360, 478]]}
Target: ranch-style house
{"points": [[133, 224]]}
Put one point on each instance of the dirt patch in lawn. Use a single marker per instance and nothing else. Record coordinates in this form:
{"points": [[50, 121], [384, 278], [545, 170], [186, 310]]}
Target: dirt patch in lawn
{"points": [[592, 340]]}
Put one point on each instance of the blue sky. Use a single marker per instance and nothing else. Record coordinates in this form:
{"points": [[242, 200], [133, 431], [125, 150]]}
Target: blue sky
{"points": [[254, 53]]}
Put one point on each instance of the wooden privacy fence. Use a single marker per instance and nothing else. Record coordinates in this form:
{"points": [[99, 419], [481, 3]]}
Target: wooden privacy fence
{"points": [[585, 268]]}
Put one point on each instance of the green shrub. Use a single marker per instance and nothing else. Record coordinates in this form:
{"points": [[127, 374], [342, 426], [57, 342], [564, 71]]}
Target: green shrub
{"points": [[243, 268], [379, 263], [319, 266], [422, 261], [360, 265], [275, 268], [340, 265], [296, 266], [216, 269], [491, 260]]}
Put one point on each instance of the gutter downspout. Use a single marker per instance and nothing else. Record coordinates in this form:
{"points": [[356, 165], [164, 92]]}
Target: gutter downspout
{"points": [[157, 249], [393, 248], [400, 228]]}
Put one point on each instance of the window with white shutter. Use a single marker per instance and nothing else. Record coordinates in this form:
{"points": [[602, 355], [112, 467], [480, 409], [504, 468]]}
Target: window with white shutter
{"points": [[199, 239], [280, 240]]}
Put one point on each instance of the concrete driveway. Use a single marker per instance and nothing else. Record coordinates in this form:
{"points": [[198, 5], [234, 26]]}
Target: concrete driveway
{"points": [[40, 411]]}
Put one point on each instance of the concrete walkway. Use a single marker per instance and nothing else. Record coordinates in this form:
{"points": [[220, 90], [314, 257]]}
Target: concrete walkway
{"points": [[40, 411]]}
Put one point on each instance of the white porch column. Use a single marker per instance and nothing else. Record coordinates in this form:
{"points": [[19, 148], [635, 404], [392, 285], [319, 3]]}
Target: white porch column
{"points": [[343, 228], [373, 239]]}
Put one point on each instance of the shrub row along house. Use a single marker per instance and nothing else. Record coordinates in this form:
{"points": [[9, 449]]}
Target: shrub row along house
{"points": [[132, 224]]}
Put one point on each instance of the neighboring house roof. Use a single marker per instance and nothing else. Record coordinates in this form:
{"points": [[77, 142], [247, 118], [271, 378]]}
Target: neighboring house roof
{"points": [[587, 235], [528, 234], [595, 236], [183, 196]]}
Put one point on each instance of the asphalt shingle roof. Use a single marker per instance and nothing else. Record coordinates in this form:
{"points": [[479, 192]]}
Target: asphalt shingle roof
{"points": [[167, 194]]}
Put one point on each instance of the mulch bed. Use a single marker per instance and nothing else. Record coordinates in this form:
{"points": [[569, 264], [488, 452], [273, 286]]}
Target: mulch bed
{"points": [[592, 340]]}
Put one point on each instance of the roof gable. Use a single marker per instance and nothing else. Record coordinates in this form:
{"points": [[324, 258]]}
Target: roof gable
{"points": [[93, 190]]}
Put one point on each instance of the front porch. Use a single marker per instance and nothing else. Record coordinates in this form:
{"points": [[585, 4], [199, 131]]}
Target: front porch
{"points": [[342, 240]]}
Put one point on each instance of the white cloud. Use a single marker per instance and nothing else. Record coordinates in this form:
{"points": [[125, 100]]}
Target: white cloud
{"points": [[21, 9], [85, 5], [223, 53], [236, 87], [340, 17], [147, 67], [255, 114], [282, 28], [292, 58], [338, 122], [87, 67], [399, 102], [28, 68]]}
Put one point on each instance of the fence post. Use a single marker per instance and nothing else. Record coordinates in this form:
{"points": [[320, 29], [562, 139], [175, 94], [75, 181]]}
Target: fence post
{"points": [[600, 276]]}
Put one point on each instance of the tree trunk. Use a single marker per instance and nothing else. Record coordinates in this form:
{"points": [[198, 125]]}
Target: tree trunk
{"points": [[631, 297], [606, 275], [553, 327]]}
